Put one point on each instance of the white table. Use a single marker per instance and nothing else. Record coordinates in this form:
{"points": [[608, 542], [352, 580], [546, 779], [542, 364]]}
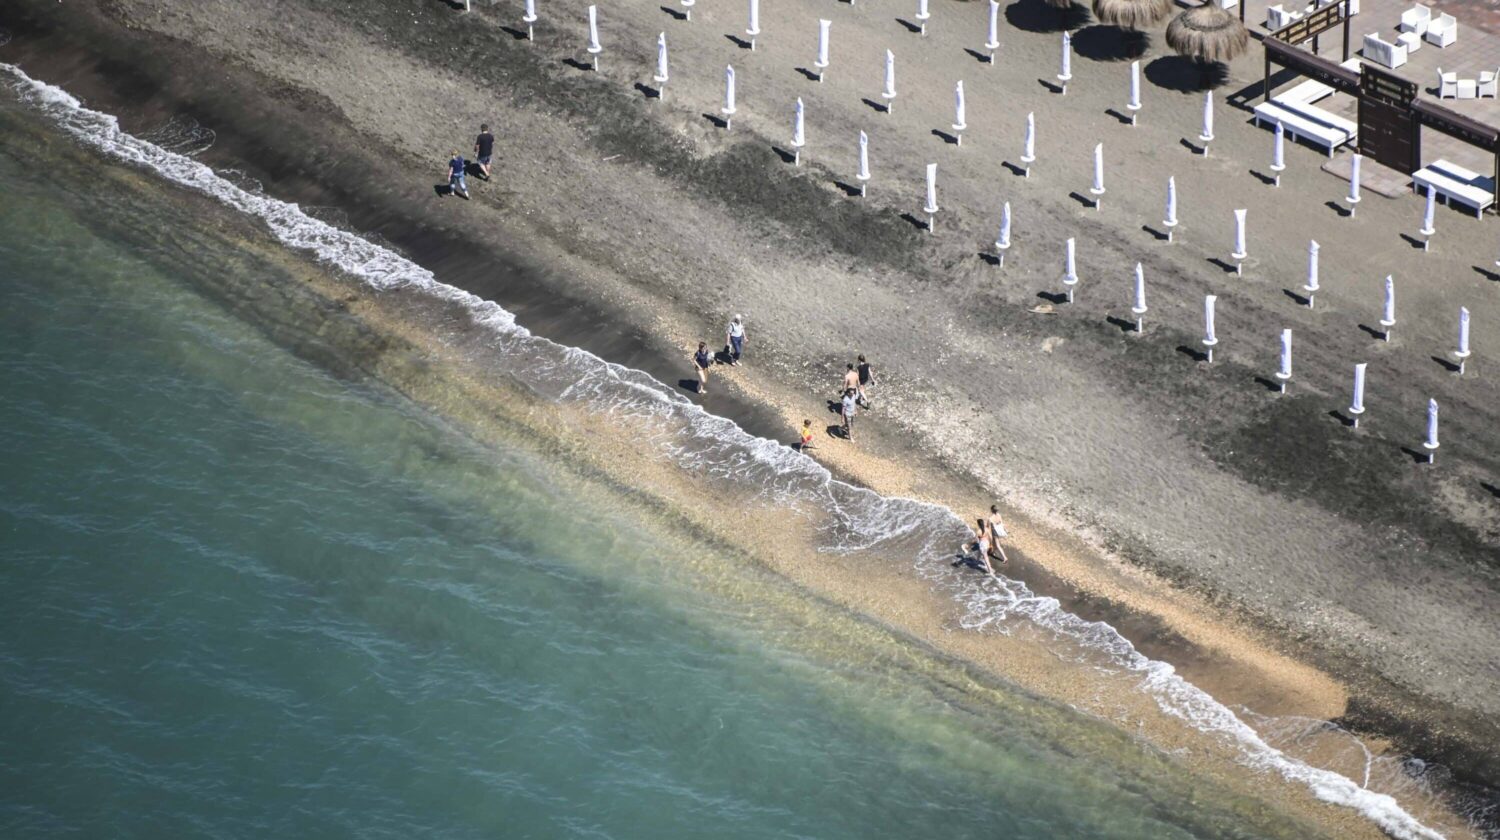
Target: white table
{"points": [[1468, 89], [1411, 40]]}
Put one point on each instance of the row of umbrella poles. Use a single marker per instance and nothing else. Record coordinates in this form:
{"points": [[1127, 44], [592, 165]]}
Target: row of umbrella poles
{"points": [[1207, 33]]}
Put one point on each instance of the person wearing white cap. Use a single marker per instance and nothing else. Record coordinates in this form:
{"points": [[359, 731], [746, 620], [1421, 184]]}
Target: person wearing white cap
{"points": [[734, 337]]}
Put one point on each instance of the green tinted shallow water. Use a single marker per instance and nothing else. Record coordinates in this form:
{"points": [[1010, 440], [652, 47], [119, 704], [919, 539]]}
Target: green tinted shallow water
{"points": [[244, 598]]}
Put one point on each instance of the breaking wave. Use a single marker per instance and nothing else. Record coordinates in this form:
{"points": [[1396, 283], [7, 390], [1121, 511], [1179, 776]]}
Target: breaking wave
{"points": [[850, 518]]}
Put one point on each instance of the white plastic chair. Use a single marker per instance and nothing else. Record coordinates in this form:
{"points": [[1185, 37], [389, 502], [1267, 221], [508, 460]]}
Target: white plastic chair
{"points": [[1489, 81], [1447, 85], [1416, 19], [1442, 31]]}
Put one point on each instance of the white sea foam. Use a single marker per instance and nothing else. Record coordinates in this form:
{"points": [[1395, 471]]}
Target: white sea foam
{"points": [[857, 519]]}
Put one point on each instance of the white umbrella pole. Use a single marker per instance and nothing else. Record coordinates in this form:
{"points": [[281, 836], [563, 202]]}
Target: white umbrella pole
{"points": [[1098, 188], [687, 10], [1388, 313], [863, 176], [661, 66], [1209, 339], [959, 121], [992, 41], [594, 47], [1285, 373], [1028, 147], [1462, 354], [1065, 70], [799, 138], [1278, 152], [1429, 215], [1353, 197], [1239, 242], [729, 106], [822, 62], [530, 19], [931, 207], [1431, 444], [1312, 272], [1170, 222], [1357, 404], [752, 27], [889, 94], [1207, 134], [1134, 104], [922, 15], [1002, 242], [1140, 300], [1070, 269]]}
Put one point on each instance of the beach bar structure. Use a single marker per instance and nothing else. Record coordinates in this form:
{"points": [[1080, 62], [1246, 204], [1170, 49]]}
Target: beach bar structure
{"points": [[1390, 116]]}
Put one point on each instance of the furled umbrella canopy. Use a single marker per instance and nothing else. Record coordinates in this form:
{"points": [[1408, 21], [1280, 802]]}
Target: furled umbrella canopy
{"points": [[1208, 33], [1131, 14]]}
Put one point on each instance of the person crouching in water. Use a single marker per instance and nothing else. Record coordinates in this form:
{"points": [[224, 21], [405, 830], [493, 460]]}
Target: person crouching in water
{"points": [[457, 184]]}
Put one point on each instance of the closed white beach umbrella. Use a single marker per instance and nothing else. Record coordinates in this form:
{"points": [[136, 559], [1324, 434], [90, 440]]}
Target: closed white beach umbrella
{"points": [[752, 27], [1170, 222], [1278, 152], [959, 122], [889, 94], [1070, 269], [1028, 146], [799, 137], [1139, 306], [822, 62], [864, 162], [992, 37], [661, 66], [1135, 90], [922, 15], [594, 48], [1462, 353], [1206, 135], [1002, 240], [1312, 272], [1388, 313], [1065, 69], [1285, 372], [1357, 403], [729, 108], [1098, 188], [931, 207], [1429, 217], [1431, 444], [1240, 252], [1209, 339], [1353, 198], [530, 19], [687, 9]]}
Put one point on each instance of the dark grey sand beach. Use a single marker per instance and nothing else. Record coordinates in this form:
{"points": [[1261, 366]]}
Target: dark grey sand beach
{"points": [[1277, 557]]}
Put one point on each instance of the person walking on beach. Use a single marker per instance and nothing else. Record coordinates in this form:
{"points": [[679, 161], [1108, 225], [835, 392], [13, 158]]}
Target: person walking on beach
{"points": [[701, 361], [484, 148], [981, 546], [457, 184], [866, 380], [847, 412], [807, 435], [997, 532], [851, 379], [734, 337]]}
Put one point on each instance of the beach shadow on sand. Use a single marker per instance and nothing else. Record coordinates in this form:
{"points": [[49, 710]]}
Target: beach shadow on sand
{"points": [[1419, 457], [1158, 235], [910, 27], [676, 15], [950, 139], [982, 58], [1019, 171], [717, 120], [1486, 273], [1346, 420], [518, 34], [1412, 240], [989, 259], [884, 109], [1296, 298], [848, 188], [1338, 208], [648, 91], [1268, 180], [1451, 367], [786, 156], [1052, 87], [1270, 386], [1192, 353], [689, 385], [810, 75], [1124, 325], [1378, 335], [1110, 43], [919, 224], [1184, 75], [1223, 265], [1053, 297], [739, 42], [578, 65], [1037, 16], [1125, 120], [1082, 199]]}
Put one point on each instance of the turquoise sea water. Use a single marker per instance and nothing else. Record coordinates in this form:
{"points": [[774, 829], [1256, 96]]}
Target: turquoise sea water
{"points": [[247, 598]]}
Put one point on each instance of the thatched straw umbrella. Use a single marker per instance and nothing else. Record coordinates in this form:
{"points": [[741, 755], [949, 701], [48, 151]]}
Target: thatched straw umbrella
{"points": [[1131, 14], [1208, 33]]}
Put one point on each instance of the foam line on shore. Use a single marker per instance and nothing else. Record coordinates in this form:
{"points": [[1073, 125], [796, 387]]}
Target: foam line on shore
{"points": [[854, 518]]}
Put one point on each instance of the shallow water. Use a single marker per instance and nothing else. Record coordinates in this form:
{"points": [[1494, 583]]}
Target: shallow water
{"points": [[248, 597]]}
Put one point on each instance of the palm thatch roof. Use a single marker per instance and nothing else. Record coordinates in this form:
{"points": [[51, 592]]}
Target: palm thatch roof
{"points": [[1131, 14], [1208, 33]]}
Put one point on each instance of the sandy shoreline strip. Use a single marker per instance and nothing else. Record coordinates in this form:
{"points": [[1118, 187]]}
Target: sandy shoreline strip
{"points": [[1267, 679]]}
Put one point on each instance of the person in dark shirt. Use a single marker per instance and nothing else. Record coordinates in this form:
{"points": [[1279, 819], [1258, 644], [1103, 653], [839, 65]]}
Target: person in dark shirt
{"points": [[484, 148], [701, 362], [457, 184], [866, 381]]}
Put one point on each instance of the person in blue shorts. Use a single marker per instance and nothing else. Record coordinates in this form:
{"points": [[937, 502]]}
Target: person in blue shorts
{"points": [[456, 182]]}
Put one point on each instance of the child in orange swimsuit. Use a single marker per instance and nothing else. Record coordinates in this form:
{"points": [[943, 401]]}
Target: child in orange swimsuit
{"points": [[807, 435]]}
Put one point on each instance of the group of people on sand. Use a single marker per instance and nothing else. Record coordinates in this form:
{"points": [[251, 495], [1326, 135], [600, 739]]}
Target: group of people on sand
{"points": [[988, 531], [458, 168], [734, 348]]}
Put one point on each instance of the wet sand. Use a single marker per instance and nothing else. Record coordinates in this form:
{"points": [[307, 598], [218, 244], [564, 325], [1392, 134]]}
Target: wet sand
{"points": [[1230, 534]]}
